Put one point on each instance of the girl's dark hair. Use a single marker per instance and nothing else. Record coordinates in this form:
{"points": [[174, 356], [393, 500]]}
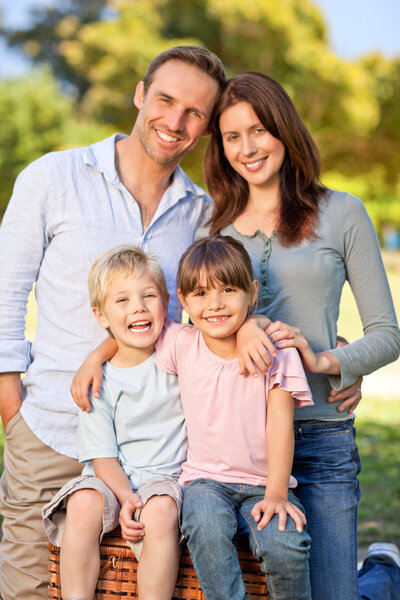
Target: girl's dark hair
{"points": [[300, 189], [221, 257]]}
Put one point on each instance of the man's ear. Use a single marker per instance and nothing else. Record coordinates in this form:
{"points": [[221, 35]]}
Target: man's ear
{"points": [[139, 95], [100, 317], [181, 299]]}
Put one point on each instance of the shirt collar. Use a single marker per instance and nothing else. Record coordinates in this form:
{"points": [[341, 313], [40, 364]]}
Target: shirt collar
{"points": [[101, 156]]}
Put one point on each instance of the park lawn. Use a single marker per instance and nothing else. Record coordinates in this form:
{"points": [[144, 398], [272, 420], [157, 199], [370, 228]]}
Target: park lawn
{"points": [[378, 432]]}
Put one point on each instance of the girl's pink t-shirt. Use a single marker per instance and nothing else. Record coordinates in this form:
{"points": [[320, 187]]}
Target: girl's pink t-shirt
{"points": [[225, 412]]}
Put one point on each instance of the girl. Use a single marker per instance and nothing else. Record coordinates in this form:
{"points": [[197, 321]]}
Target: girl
{"points": [[240, 431], [262, 170]]}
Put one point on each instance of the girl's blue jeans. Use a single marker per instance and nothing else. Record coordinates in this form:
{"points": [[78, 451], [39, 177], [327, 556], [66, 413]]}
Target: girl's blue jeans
{"points": [[326, 464], [212, 513]]}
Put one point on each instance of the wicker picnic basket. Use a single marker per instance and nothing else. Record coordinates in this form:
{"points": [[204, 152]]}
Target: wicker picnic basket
{"points": [[117, 579]]}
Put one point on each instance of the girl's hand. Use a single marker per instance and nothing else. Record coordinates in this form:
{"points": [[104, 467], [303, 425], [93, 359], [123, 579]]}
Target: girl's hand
{"points": [[89, 374], [254, 346], [351, 396], [131, 530], [274, 505]]}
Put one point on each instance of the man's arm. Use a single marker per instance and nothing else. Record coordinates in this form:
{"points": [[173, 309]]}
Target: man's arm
{"points": [[10, 396]]}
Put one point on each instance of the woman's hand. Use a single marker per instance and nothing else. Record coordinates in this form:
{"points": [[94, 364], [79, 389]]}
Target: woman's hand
{"points": [[89, 374], [286, 336], [349, 398], [254, 346]]}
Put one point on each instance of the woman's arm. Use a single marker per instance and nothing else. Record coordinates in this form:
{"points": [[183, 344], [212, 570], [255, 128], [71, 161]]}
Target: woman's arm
{"points": [[90, 373], [280, 448]]}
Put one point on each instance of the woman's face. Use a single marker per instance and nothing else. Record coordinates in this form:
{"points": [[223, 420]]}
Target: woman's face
{"points": [[250, 149]]}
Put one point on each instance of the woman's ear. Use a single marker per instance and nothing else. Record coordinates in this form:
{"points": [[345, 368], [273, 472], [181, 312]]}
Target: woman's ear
{"points": [[182, 299], [100, 317]]}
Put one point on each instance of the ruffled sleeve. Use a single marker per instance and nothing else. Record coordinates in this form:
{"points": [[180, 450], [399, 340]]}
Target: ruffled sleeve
{"points": [[288, 374]]}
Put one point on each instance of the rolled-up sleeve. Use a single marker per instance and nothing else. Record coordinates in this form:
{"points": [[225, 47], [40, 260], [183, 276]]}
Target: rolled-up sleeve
{"points": [[368, 281], [22, 243]]}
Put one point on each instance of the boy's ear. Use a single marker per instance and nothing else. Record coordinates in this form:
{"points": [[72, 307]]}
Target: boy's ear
{"points": [[181, 299], [100, 317], [139, 95]]}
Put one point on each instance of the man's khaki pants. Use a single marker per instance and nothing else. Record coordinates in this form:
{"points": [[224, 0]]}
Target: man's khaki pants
{"points": [[33, 473]]}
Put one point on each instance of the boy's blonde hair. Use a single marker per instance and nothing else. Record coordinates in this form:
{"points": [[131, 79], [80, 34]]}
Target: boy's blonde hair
{"points": [[125, 259]]}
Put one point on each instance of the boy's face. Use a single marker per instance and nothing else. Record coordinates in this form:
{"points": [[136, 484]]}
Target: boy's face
{"points": [[134, 311]]}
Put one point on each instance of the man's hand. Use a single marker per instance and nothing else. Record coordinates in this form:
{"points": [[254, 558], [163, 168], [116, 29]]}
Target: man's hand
{"points": [[274, 505], [10, 396], [131, 530]]}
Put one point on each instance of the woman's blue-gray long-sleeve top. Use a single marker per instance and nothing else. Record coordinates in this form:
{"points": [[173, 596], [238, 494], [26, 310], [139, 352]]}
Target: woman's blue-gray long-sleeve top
{"points": [[302, 285]]}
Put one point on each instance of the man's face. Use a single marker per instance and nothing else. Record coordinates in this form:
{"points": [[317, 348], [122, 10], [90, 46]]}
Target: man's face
{"points": [[175, 111]]}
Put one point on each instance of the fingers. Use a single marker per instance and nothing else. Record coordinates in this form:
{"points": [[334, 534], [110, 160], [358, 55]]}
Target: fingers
{"points": [[349, 398], [282, 509], [285, 336], [96, 384], [131, 530], [257, 357], [79, 393]]}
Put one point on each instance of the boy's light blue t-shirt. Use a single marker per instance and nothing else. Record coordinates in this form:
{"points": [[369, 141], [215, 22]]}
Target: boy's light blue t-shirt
{"points": [[138, 419]]}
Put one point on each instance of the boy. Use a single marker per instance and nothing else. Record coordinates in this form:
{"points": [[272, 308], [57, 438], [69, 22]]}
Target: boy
{"points": [[134, 438]]}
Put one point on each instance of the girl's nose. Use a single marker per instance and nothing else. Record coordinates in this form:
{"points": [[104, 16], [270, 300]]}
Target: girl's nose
{"points": [[216, 300]]}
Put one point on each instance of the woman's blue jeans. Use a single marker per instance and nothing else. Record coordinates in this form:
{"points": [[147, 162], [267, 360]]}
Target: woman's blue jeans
{"points": [[326, 464], [212, 513]]}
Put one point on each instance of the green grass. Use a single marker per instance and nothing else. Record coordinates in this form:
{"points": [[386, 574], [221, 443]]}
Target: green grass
{"points": [[378, 427]]}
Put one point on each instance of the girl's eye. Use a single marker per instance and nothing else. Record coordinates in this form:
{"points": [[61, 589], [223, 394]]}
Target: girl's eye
{"points": [[199, 293], [228, 290], [149, 295]]}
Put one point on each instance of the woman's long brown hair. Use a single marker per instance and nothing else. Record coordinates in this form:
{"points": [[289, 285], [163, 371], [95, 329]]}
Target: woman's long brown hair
{"points": [[300, 189]]}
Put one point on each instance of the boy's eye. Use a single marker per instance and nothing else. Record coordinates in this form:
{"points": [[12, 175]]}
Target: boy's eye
{"points": [[122, 300]]}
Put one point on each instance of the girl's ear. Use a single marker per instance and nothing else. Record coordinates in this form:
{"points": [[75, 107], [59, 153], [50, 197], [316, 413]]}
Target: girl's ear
{"points": [[182, 299], [100, 317], [253, 293]]}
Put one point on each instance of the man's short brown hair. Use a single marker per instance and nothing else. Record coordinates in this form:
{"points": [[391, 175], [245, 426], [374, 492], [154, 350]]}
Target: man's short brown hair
{"points": [[203, 59]]}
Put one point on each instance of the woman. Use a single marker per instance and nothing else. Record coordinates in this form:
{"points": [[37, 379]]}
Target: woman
{"points": [[262, 170]]}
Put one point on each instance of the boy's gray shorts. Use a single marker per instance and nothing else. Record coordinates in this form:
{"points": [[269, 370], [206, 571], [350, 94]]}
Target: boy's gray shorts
{"points": [[55, 511]]}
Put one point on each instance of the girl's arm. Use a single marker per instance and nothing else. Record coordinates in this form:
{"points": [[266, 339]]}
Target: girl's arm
{"points": [[113, 475], [280, 447], [90, 373]]}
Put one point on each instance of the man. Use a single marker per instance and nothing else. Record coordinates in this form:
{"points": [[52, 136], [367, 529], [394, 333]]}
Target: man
{"points": [[68, 207]]}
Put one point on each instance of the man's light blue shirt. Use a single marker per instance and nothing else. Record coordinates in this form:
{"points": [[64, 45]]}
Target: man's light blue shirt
{"points": [[68, 207]]}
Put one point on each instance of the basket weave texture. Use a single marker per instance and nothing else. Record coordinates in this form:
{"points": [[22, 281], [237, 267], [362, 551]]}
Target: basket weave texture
{"points": [[117, 579]]}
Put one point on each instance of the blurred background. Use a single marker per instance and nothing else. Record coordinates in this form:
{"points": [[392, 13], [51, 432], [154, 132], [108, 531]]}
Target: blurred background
{"points": [[68, 70]]}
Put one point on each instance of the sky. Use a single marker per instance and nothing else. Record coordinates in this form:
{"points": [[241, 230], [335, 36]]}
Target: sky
{"points": [[355, 27]]}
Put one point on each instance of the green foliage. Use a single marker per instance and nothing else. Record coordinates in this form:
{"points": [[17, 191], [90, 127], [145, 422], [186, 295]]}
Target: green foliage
{"points": [[102, 48], [36, 119]]}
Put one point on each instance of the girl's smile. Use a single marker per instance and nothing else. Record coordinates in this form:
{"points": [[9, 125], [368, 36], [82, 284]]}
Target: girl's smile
{"points": [[218, 311]]}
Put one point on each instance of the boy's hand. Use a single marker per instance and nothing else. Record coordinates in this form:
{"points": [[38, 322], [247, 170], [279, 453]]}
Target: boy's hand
{"points": [[254, 347], [274, 505], [131, 530], [89, 374]]}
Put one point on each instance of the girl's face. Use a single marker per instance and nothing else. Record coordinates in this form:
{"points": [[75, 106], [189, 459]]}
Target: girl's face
{"points": [[250, 149], [218, 311]]}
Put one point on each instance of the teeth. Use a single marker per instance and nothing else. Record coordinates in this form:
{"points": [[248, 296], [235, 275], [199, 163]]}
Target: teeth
{"points": [[255, 164], [140, 326], [216, 319], [167, 138]]}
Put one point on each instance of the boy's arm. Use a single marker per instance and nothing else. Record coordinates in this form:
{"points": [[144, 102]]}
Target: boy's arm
{"points": [[254, 347], [113, 475], [280, 448], [90, 373]]}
